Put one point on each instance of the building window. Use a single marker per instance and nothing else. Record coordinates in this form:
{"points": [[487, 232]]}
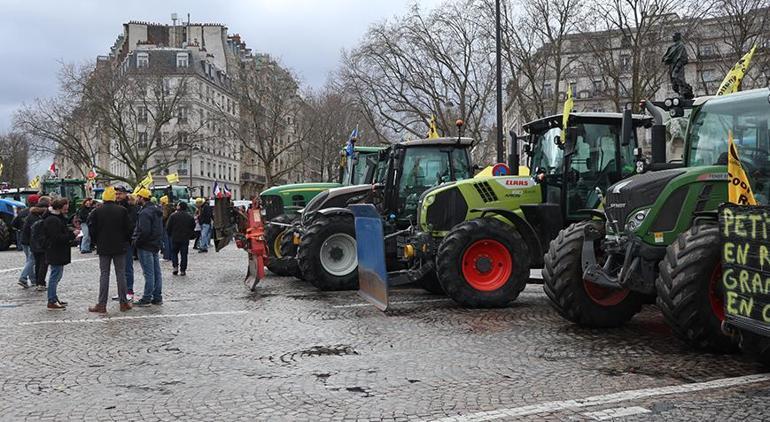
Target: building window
{"points": [[142, 140], [707, 50], [709, 75], [598, 88], [625, 63], [208, 169], [141, 114], [201, 168], [182, 60], [547, 91], [142, 60], [181, 115]]}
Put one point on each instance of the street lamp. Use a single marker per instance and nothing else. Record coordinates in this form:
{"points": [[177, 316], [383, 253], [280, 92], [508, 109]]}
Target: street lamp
{"points": [[498, 55]]}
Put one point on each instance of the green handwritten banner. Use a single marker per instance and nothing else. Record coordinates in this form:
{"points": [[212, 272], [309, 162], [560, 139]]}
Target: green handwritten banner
{"points": [[745, 232]]}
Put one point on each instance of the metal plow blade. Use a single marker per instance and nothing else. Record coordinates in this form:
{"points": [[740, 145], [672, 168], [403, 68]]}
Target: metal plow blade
{"points": [[370, 243]]}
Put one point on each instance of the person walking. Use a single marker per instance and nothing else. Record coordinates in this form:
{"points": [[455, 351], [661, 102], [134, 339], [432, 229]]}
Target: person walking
{"points": [[180, 228], [27, 277], [83, 212], [58, 239], [111, 230], [147, 239], [167, 210], [204, 219], [36, 241], [127, 201]]}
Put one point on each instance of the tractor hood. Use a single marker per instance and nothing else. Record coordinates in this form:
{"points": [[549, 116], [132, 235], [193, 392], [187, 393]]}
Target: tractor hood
{"points": [[333, 198], [636, 192]]}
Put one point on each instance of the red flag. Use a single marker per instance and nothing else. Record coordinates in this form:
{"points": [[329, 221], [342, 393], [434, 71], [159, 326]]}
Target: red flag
{"points": [[52, 169]]}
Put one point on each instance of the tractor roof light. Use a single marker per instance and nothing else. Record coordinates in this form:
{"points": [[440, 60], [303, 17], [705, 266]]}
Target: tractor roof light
{"points": [[668, 102]]}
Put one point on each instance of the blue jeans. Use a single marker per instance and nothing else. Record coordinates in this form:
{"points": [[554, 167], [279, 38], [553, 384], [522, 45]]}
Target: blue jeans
{"points": [[29, 265], [166, 246], [153, 280], [54, 276], [130, 269], [205, 237], [85, 241]]}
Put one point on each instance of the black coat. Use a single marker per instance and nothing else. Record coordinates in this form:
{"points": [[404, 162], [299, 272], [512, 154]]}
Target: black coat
{"points": [[35, 214], [59, 239], [206, 213], [133, 212], [148, 233], [83, 214], [181, 226], [110, 228]]}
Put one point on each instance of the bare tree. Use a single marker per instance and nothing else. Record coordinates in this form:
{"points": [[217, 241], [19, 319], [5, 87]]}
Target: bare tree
{"points": [[14, 150], [122, 113], [266, 122]]}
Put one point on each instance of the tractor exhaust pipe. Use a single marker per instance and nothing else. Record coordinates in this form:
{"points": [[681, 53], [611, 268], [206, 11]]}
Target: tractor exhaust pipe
{"points": [[513, 154], [658, 133]]}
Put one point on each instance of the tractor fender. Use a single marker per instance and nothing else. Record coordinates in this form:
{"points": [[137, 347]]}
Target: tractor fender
{"points": [[525, 229], [334, 211]]}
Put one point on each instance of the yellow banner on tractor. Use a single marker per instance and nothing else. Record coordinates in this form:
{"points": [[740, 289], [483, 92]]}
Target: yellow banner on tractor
{"points": [[738, 188], [732, 81], [569, 104]]}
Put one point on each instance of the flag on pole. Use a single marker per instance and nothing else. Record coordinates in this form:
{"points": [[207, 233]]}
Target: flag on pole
{"points": [[172, 178], [91, 174], [217, 192], [738, 188], [1, 169], [35, 183], [52, 169], [569, 103], [349, 147], [432, 131], [228, 192], [145, 183], [732, 81]]}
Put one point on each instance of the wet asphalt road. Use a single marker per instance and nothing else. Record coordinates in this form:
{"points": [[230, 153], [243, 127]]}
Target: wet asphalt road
{"points": [[214, 351]]}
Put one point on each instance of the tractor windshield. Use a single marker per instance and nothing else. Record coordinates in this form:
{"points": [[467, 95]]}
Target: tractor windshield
{"points": [[547, 156], [357, 167], [748, 119], [425, 167]]}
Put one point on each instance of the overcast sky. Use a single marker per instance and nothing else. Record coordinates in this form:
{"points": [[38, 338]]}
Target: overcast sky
{"points": [[306, 35]]}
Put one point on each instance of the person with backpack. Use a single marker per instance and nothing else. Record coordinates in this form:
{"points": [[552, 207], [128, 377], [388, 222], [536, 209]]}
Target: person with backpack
{"points": [[58, 252], [180, 228], [33, 230], [147, 239], [83, 213], [27, 277], [111, 230]]}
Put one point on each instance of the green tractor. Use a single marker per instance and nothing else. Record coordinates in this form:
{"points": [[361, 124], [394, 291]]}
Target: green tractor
{"points": [[72, 189], [282, 205], [658, 236], [481, 236], [402, 173]]}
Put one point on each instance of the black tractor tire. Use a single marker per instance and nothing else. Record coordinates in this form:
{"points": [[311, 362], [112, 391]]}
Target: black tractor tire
{"points": [[322, 229], [573, 298], [431, 284], [689, 274], [276, 262], [756, 346], [478, 239], [6, 237], [289, 252]]}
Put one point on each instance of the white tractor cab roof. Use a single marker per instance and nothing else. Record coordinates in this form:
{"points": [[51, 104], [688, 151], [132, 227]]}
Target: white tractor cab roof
{"points": [[438, 141]]}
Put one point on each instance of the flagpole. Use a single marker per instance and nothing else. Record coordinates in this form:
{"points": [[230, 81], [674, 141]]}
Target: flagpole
{"points": [[498, 55]]}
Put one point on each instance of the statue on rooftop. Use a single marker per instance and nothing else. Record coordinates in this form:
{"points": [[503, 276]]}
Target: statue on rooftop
{"points": [[676, 59]]}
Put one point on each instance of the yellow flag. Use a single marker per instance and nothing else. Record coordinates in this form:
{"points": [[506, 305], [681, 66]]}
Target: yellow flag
{"points": [[432, 131], [569, 103], [35, 183], [172, 178], [145, 183], [739, 189], [732, 81], [1, 168]]}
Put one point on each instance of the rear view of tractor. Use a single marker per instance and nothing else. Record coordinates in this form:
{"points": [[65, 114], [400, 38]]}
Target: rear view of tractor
{"points": [[282, 206], [72, 189], [481, 236], [327, 249], [658, 235]]}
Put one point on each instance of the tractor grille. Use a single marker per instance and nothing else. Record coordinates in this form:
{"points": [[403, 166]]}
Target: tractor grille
{"points": [[448, 210], [485, 191], [636, 192]]}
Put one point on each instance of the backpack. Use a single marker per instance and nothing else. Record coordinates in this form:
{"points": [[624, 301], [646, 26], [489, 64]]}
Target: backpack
{"points": [[37, 239]]}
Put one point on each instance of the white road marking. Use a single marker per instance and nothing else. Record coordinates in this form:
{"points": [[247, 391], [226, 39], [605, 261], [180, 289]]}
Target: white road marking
{"points": [[121, 318], [405, 302], [555, 406], [618, 412], [21, 268]]}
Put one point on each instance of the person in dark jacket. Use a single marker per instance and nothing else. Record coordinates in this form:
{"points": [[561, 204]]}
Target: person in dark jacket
{"points": [[36, 245], [180, 228], [204, 219], [111, 230], [147, 239], [124, 199], [27, 277], [83, 212], [58, 238]]}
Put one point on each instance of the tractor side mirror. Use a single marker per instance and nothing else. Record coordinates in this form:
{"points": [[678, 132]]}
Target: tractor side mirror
{"points": [[626, 128], [476, 168]]}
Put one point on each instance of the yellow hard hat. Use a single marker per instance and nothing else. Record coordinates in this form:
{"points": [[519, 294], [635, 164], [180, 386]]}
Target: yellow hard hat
{"points": [[164, 199], [144, 193], [109, 194]]}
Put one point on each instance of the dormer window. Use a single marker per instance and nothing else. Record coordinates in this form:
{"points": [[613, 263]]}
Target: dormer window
{"points": [[142, 60], [182, 60]]}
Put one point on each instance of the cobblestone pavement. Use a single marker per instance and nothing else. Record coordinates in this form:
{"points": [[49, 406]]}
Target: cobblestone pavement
{"points": [[214, 351]]}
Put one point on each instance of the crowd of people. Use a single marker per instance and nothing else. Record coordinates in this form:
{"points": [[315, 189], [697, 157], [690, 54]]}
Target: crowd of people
{"points": [[120, 228]]}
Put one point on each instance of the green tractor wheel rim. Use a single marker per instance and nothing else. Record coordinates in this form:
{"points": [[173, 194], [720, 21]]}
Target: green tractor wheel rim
{"points": [[277, 244], [338, 254]]}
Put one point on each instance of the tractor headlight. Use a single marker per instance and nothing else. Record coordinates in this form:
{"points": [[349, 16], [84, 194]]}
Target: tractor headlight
{"points": [[636, 219]]}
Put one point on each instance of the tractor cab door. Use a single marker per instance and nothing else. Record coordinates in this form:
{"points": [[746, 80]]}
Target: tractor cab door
{"points": [[597, 161]]}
